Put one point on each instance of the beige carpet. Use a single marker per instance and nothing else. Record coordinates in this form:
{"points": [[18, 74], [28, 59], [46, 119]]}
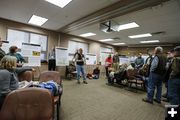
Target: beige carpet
{"points": [[97, 101]]}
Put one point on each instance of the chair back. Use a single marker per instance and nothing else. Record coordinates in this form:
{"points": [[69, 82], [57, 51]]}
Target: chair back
{"points": [[130, 72], [28, 104], [50, 75], [27, 75]]}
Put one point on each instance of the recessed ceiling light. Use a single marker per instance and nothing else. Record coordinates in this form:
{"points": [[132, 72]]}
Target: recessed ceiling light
{"points": [[87, 34], [150, 41], [119, 43], [59, 3], [105, 40], [140, 35], [128, 26], [37, 20]]}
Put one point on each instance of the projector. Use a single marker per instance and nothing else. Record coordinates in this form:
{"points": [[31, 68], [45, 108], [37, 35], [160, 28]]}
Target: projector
{"points": [[109, 26]]}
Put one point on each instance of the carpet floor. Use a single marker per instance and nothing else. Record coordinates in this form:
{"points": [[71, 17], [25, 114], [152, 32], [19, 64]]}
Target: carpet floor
{"points": [[98, 101]]}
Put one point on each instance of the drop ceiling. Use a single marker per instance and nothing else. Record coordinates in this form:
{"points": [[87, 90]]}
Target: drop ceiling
{"points": [[161, 18], [22, 10]]}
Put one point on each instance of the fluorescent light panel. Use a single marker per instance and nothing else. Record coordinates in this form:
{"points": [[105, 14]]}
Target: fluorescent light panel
{"points": [[37, 20], [105, 40], [140, 35], [59, 3], [150, 41], [119, 43], [128, 26], [87, 34]]}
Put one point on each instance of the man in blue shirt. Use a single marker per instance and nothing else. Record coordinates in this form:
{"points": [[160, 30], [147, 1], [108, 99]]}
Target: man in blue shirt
{"points": [[139, 61], [157, 71]]}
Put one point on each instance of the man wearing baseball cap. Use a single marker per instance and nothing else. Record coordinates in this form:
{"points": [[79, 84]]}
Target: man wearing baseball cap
{"points": [[174, 81]]}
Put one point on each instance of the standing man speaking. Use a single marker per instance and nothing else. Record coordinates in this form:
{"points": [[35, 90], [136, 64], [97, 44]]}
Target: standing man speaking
{"points": [[80, 60]]}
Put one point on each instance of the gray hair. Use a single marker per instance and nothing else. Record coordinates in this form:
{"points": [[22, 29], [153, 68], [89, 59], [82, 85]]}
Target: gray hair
{"points": [[159, 49], [8, 62]]}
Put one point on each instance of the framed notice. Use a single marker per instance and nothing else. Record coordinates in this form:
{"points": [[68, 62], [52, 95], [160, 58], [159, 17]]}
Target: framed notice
{"points": [[62, 56], [91, 59], [32, 54]]}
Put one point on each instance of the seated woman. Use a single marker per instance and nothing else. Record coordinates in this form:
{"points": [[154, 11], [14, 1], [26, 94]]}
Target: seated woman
{"points": [[9, 73], [130, 66], [118, 74], [13, 52], [96, 73]]}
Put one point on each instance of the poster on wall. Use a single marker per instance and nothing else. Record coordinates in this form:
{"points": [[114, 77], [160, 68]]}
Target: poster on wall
{"points": [[103, 56], [91, 59], [32, 54], [124, 60], [5, 46], [62, 56]]}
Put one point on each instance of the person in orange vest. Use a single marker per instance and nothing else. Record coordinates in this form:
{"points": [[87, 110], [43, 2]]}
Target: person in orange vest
{"points": [[108, 63]]}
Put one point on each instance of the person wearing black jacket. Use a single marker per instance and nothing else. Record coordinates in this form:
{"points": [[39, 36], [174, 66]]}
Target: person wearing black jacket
{"points": [[168, 72], [80, 61], [157, 72]]}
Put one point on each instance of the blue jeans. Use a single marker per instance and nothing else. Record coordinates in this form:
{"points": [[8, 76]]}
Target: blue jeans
{"points": [[174, 91], [166, 85], [80, 68], [96, 77], [155, 80]]}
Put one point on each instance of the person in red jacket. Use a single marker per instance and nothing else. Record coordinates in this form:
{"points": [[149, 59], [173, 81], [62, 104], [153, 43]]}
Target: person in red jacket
{"points": [[108, 63]]}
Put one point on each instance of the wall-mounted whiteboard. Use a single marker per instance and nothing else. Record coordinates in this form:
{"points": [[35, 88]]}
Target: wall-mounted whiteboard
{"points": [[62, 56], [91, 59], [73, 46]]}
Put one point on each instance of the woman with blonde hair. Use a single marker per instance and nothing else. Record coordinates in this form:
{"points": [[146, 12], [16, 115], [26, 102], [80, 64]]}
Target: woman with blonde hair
{"points": [[9, 76]]}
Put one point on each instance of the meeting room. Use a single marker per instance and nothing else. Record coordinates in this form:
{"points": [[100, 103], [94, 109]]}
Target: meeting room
{"points": [[89, 60]]}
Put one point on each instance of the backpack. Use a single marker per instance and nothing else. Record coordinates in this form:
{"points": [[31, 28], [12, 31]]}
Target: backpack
{"points": [[52, 86]]}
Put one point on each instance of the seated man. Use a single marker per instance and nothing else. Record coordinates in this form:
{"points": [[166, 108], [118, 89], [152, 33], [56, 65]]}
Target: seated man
{"points": [[96, 73]]}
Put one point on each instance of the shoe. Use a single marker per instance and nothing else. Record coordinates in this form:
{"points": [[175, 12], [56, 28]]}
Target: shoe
{"points": [[164, 95], [165, 100], [78, 82], [85, 82], [108, 84], [146, 100], [159, 102]]}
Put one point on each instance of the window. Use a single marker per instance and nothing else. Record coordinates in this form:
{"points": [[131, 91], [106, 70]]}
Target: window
{"points": [[16, 37], [73, 46], [105, 49]]}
